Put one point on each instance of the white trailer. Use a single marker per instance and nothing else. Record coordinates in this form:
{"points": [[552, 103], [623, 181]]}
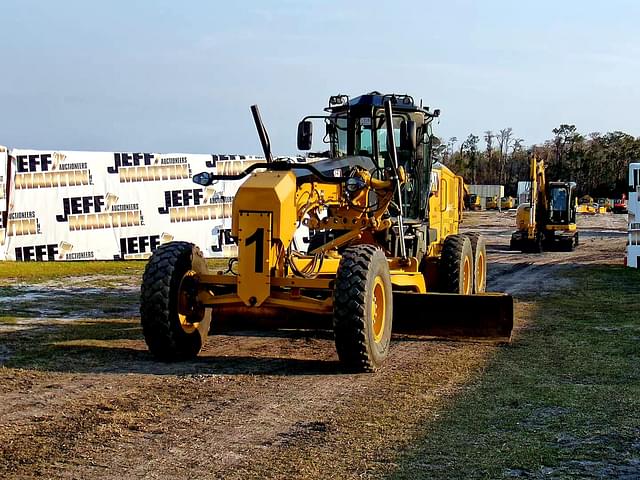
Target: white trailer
{"points": [[485, 191], [633, 242], [524, 191]]}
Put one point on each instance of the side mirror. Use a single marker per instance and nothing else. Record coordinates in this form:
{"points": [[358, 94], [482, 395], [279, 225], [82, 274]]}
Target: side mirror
{"points": [[203, 178], [410, 138], [305, 135]]}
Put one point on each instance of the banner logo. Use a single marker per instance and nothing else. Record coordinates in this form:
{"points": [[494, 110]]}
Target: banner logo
{"points": [[231, 164], [22, 223], [45, 252], [195, 204], [79, 205], [65, 252], [146, 167], [47, 170], [98, 212], [139, 247], [223, 242]]}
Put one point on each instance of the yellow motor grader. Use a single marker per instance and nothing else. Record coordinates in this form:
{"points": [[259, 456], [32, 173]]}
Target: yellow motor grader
{"points": [[383, 238]]}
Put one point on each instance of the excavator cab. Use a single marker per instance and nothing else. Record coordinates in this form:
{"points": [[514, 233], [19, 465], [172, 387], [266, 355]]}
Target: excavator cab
{"points": [[562, 203]]}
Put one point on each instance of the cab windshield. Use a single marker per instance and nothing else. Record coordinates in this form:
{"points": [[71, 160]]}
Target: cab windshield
{"points": [[559, 205], [369, 136], [559, 199], [381, 133]]}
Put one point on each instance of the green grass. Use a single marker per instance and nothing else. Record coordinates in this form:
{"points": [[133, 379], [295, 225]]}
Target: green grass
{"points": [[561, 401], [41, 271], [34, 272]]}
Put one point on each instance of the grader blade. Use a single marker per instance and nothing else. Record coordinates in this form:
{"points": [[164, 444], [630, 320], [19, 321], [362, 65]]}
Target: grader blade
{"points": [[486, 316]]}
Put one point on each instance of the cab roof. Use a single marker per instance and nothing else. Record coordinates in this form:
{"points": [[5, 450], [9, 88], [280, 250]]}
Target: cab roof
{"points": [[374, 99]]}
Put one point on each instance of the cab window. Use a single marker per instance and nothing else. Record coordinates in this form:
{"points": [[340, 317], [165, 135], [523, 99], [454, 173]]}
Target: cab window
{"points": [[444, 193], [364, 137]]}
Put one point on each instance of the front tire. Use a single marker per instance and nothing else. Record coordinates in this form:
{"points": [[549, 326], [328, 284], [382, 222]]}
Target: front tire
{"points": [[362, 308], [174, 325], [456, 265]]}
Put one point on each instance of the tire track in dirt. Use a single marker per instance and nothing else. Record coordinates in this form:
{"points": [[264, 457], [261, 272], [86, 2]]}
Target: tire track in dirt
{"points": [[274, 411], [228, 419]]}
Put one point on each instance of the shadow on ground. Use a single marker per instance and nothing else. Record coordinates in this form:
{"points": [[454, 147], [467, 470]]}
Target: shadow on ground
{"points": [[117, 346]]}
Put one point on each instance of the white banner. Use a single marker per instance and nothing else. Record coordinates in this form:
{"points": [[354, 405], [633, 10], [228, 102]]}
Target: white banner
{"points": [[3, 178], [104, 206], [3, 199]]}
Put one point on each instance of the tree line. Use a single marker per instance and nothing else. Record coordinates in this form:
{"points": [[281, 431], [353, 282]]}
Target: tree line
{"points": [[597, 162]]}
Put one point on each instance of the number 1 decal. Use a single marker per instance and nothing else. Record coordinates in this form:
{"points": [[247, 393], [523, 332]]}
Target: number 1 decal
{"points": [[257, 237]]}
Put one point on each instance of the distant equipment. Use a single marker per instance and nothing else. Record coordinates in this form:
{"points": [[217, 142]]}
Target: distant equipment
{"points": [[633, 243], [548, 220], [485, 192]]}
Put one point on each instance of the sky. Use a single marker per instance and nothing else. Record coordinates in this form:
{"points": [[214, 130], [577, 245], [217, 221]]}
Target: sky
{"points": [[180, 76]]}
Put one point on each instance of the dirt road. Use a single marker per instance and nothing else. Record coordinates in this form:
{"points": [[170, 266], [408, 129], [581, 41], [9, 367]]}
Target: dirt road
{"points": [[80, 397], [602, 241]]}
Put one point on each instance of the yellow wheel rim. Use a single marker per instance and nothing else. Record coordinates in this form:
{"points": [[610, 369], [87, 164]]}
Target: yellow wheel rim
{"points": [[187, 310], [466, 276], [480, 273], [378, 309], [186, 326]]}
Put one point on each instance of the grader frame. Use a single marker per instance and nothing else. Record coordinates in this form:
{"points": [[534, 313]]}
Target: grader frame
{"points": [[369, 269]]}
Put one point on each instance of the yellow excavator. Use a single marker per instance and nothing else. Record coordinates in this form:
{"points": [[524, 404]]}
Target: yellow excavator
{"points": [[491, 203], [507, 203], [383, 238], [548, 220], [586, 204], [472, 202]]}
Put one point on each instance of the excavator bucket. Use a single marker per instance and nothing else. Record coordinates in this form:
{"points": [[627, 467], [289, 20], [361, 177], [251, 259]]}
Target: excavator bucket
{"points": [[485, 316]]}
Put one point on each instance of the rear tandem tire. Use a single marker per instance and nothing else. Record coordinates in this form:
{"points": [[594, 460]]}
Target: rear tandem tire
{"points": [[362, 308], [456, 265], [170, 335], [479, 253]]}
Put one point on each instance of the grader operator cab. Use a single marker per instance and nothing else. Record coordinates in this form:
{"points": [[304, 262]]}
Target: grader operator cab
{"points": [[548, 220], [383, 226]]}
